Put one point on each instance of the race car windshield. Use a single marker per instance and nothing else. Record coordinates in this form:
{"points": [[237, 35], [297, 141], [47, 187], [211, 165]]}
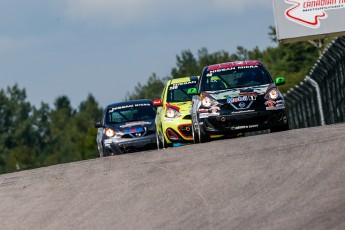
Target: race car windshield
{"points": [[130, 113], [236, 78], [178, 92]]}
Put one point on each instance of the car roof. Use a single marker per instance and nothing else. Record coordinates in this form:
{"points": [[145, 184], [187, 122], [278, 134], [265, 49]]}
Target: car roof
{"points": [[233, 64], [184, 79], [141, 101]]}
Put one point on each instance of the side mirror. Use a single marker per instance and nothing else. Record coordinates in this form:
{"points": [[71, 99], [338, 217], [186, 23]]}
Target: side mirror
{"points": [[157, 103], [98, 124], [280, 81], [192, 91]]}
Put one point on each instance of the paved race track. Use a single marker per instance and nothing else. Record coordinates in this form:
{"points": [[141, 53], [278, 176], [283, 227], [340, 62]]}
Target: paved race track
{"points": [[289, 180]]}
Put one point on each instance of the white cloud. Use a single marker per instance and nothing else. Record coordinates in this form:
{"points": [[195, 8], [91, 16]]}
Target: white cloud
{"points": [[124, 12]]}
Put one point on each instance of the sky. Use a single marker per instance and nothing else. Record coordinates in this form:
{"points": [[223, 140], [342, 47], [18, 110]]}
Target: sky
{"points": [[105, 48]]}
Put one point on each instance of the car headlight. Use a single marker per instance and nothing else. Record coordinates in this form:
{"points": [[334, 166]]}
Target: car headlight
{"points": [[109, 132], [171, 113], [207, 101], [273, 94]]}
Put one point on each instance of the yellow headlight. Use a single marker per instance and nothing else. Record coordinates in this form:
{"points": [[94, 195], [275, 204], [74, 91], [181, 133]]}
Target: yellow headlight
{"points": [[109, 132], [171, 113]]}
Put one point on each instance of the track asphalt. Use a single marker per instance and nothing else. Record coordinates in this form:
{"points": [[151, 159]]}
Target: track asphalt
{"points": [[287, 180]]}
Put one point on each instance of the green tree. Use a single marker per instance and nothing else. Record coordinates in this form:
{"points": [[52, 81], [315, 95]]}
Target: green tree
{"points": [[84, 130], [59, 148], [292, 61], [187, 65], [42, 125], [32, 137], [18, 136], [151, 90]]}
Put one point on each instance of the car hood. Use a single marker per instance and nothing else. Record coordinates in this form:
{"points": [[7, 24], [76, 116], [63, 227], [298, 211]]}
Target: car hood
{"points": [[243, 91], [184, 107], [133, 126]]}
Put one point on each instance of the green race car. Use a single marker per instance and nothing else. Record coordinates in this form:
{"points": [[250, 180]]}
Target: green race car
{"points": [[173, 119]]}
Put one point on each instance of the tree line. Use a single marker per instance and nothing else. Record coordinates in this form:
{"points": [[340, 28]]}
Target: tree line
{"points": [[291, 61], [33, 137]]}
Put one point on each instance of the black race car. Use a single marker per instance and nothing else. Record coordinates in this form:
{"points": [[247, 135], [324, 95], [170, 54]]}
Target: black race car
{"points": [[127, 127], [237, 97]]}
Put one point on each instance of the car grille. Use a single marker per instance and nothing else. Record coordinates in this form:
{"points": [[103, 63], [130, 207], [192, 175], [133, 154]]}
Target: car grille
{"points": [[138, 134], [240, 120], [186, 130], [259, 103]]}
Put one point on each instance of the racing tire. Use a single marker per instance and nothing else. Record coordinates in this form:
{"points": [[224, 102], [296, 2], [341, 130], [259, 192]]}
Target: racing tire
{"points": [[194, 134], [163, 142], [283, 127], [101, 152], [195, 128], [201, 137], [159, 143]]}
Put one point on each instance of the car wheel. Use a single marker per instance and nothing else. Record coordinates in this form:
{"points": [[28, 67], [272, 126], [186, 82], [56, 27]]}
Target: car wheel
{"points": [[283, 127], [163, 141], [200, 135], [101, 151], [194, 132], [159, 143]]}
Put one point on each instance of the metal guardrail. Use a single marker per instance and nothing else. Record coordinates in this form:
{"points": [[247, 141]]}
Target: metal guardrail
{"points": [[320, 98]]}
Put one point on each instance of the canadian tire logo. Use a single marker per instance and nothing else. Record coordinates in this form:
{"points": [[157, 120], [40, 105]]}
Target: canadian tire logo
{"points": [[309, 13]]}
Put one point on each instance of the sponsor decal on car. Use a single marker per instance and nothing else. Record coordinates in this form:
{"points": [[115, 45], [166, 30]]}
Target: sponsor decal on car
{"points": [[168, 119], [177, 85], [244, 127], [270, 103], [135, 123], [251, 91], [204, 115], [134, 130], [213, 111], [248, 93], [274, 105], [241, 98], [211, 72], [128, 106], [242, 111]]}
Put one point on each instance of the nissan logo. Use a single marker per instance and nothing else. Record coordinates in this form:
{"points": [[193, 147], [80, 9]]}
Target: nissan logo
{"points": [[242, 104]]}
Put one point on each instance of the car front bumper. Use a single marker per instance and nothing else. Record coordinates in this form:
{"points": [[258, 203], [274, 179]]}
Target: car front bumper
{"points": [[177, 130], [243, 122], [124, 145]]}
